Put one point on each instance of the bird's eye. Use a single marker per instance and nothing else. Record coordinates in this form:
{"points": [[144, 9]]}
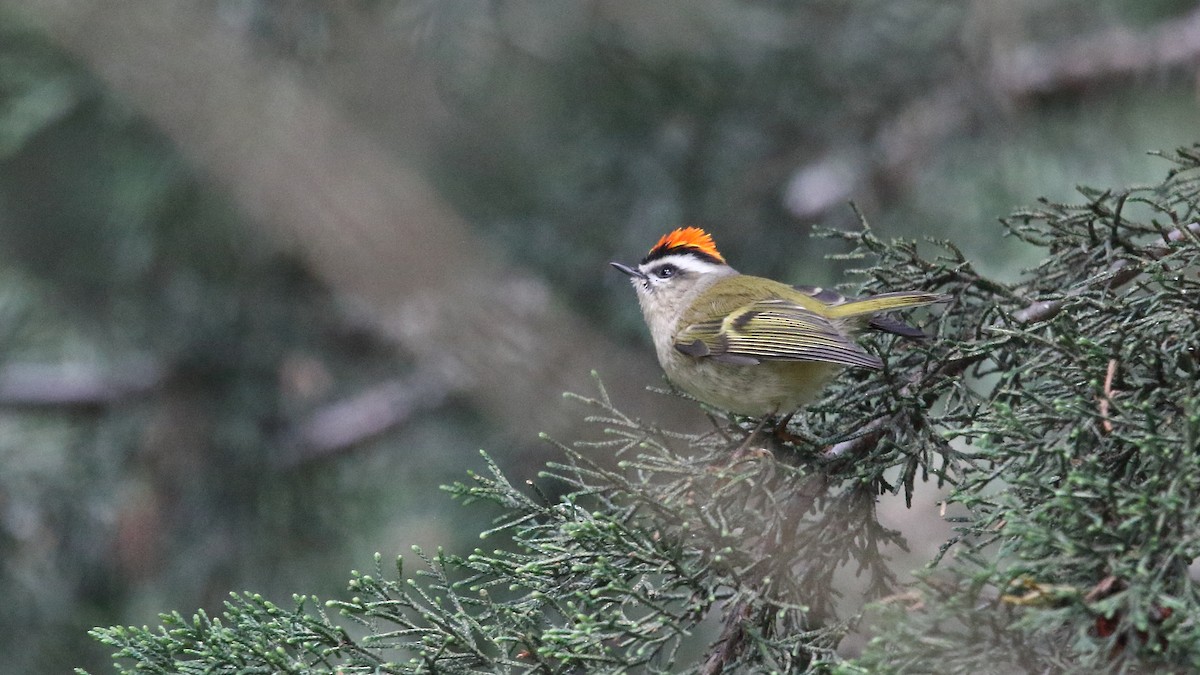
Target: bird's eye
{"points": [[666, 271]]}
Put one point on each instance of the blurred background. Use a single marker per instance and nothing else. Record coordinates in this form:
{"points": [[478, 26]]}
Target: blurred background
{"points": [[272, 270]]}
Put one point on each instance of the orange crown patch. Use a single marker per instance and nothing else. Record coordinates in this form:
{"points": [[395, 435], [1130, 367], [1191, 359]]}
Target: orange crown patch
{"points": [[686, 238]]}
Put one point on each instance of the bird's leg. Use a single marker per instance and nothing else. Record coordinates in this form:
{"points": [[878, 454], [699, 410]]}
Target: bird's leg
{"points": [[745, 445], [718, 428], [783, 435]]}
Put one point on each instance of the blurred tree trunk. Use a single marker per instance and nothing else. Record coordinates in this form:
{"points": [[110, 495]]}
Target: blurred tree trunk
{"points": [[367, 223]]}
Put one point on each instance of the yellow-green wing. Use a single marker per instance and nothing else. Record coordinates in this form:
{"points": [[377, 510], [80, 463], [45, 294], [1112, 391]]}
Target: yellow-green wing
{"points": [[772, 330]]}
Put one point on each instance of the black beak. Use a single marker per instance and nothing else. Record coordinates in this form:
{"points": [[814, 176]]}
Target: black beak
{"points": [[628, 270]]}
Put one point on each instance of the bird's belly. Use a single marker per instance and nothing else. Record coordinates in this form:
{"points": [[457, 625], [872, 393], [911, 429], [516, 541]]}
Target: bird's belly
{"points": [[770, 387]]}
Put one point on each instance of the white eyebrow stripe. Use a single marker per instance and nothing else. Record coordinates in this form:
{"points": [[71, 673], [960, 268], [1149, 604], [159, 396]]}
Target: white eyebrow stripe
{"points": [[687, 263]]}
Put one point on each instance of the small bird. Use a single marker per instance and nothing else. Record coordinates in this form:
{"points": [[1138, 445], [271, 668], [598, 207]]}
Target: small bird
{"points": [[750, 345]]}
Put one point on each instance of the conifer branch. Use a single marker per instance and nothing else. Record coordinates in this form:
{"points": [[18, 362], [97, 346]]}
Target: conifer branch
{"points": [[1080, 559], [1118, 274]]}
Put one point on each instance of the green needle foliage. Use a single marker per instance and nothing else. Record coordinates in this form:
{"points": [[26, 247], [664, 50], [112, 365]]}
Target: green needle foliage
{"points": [[1062, 410], [1084, 512]]}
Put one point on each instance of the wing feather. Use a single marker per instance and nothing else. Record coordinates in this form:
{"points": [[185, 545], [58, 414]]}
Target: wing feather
{"points": [[772, 330]]}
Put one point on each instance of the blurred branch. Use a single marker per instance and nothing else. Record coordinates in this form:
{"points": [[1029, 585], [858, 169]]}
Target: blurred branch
{"points": [[77, 384], [1033, 70], [331, 429], [343, 425], [367, 223], [1120, 52]]}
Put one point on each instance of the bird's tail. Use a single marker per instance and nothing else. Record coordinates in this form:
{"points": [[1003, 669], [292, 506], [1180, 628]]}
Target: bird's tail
{"points": [[865, 309], [884, 302]]}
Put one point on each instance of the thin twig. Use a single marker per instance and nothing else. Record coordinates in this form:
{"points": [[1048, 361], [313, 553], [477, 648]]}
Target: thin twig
{"points": [[866, 439], [1106, 399]]}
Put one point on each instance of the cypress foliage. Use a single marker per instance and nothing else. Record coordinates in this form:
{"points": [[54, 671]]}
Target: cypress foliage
{"points": [[1062, 409], [1084, 514]]}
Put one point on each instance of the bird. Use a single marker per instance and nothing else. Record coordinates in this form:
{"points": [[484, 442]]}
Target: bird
{"points": [[749, 345]]}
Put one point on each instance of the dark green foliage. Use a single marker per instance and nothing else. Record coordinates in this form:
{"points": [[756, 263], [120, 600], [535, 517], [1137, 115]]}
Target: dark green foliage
{"points": [[253, 635], [1084, 517]]}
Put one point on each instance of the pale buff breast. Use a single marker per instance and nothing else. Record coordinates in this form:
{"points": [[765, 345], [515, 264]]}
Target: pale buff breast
{"points": [[770, 387]]}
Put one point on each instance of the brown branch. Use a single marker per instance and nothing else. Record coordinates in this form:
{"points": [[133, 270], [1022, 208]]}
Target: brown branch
{"points": [[731, 641], [867, 438]]}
